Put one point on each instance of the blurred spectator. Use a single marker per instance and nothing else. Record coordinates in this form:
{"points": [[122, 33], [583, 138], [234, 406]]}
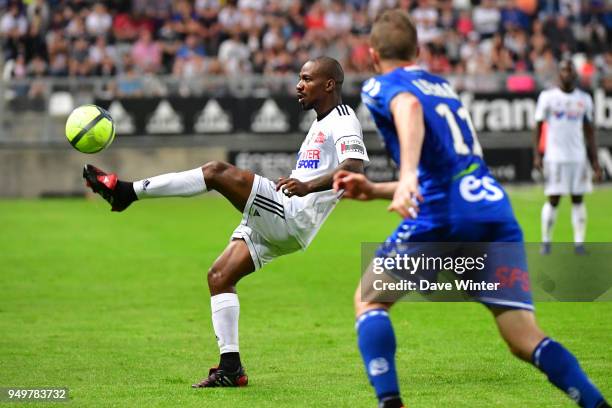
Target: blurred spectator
{"points": [[425, 17], [13, 23], [189, 38], [337, 19], [99, 21], [234, 55], [486, 18], [76, 29], [124, 27], [16, 69], [538, 40], [464, 23], [129, 82], [586, 71], [376, 6], [101, 50], [229, 17], [13, 27], [38, 10], [470, 49], [37, 68], [560, 35], [315, 17], [512, 17], [185, 20], [605, 70], [59, 64], [545, 65], [146, 53], [79, 63], [448, 19], [189, 61]]}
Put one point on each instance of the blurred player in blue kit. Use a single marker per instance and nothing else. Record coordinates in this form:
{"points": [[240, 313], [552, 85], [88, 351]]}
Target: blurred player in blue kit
{"points": [[445, 193]]}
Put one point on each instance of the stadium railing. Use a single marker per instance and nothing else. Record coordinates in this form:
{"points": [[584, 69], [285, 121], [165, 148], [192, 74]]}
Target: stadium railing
{"points": [[33, 110]]}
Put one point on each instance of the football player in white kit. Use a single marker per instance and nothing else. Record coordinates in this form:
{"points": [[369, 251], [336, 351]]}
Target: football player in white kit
{"points": [[568, 113], [277, 218]]}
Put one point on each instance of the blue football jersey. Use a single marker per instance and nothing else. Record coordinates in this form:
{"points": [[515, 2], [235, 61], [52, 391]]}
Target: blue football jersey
{"points": [[453, 177]]}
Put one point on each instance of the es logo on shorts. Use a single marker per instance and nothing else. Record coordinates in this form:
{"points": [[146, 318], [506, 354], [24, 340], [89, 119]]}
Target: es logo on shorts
{"points": [[473, 189]]}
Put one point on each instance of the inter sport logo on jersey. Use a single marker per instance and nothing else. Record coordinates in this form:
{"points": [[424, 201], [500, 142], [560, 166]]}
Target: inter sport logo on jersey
{"points": [[309, 159]]}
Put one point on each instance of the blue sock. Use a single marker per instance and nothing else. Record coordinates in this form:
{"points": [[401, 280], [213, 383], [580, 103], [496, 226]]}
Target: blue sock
{"points": [[377, 346], [563, 370]]}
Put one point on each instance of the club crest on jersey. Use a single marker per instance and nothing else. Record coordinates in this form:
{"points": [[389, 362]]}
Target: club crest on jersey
{"points": [[320, 139], [309, 159]]}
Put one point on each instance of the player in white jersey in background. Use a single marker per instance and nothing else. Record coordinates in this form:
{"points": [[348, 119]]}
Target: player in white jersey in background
{"points": [[278, 218], [568, 113]]}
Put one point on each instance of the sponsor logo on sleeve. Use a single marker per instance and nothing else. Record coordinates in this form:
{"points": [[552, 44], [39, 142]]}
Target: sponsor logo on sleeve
{"points": [[351, 144]]}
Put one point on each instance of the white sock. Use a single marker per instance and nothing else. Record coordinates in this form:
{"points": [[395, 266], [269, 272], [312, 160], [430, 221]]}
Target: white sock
{"points": [[549, 215], [184, 184], [579, 217], [225, 311]]}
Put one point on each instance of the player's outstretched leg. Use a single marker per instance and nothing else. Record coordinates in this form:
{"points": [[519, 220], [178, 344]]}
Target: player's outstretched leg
{"points": [[526, 341], [579, 218], [233, 183], [233, 264], [376, 341], [548, 218]]}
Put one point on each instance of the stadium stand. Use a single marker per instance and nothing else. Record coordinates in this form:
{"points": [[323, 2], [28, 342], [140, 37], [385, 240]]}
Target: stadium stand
{"points": [[129, 43]]}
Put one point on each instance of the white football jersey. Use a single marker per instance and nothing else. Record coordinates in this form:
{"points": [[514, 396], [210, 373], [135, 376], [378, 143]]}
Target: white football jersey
{"points": [[564, 114], [329, 142]]}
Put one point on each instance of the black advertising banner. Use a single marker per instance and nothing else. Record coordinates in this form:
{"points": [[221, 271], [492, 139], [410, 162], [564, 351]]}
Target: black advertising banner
{"points": [[494, 114], [505, 164], [279, 164]]}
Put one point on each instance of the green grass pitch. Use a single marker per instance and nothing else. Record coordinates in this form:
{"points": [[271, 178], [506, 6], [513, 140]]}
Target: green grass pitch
{"points": [[115, 307]]}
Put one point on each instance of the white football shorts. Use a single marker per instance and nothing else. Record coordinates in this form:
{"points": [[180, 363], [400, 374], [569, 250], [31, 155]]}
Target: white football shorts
{"points": [[274, 224], [571, 178]]}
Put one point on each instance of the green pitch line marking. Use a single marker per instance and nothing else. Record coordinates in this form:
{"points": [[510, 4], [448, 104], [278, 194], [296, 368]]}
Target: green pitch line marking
{"points": [[473, 167]]}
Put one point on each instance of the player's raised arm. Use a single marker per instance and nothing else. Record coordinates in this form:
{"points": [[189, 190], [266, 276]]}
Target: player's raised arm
{"points": [[408, 118]]}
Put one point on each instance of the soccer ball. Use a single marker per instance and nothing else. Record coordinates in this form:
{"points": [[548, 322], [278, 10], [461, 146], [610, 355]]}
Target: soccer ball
{"points": [[90, 129]]}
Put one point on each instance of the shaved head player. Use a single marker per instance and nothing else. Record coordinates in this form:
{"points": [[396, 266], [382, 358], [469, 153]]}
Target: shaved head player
{"points": [[277, 218]]}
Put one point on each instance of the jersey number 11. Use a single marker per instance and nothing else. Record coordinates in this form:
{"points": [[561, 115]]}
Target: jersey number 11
{"points": [[459, 144]]}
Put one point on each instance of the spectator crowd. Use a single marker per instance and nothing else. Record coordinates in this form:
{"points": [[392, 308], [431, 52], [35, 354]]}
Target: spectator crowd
{"points": [[186, 39]]}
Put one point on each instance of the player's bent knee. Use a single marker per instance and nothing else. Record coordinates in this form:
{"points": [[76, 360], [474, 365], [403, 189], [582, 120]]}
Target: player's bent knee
{"points": [[213, 168], [219, 279]]}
